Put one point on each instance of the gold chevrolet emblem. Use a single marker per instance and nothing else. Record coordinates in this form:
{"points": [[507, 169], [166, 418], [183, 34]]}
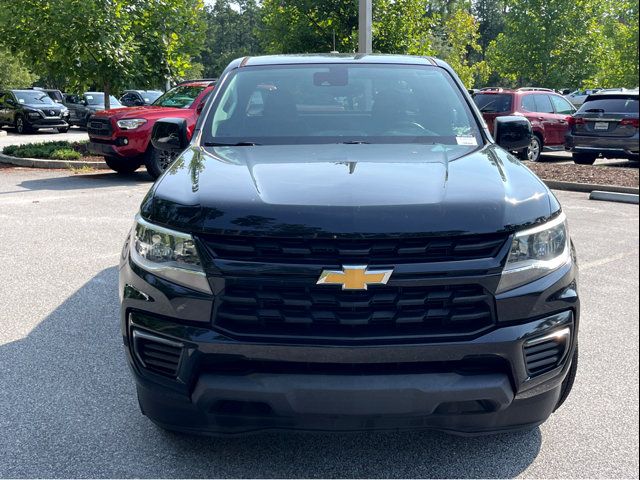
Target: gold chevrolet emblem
{"points": [[354, 277]]}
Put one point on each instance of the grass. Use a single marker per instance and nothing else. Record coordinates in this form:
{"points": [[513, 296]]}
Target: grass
{"points": [[81, 170], [60, 150]]}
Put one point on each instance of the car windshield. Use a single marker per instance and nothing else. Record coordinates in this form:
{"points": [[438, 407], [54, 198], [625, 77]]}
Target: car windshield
{"points": [[338, 103], [96, 98], [150, 96], [493, 102], [179, 97], [34, 97], [611, 105]]}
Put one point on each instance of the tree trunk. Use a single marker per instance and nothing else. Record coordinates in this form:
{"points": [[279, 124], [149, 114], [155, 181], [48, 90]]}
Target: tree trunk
{"points": [[107, 94]]}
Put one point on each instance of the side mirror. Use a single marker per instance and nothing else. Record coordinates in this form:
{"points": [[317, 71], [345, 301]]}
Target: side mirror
{"points": [[138, 103], [512, 133], [11, 102], [170, 134]]}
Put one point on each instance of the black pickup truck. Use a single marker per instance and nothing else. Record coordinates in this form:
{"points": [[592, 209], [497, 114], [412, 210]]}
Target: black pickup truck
{"points": [[343, 245]]}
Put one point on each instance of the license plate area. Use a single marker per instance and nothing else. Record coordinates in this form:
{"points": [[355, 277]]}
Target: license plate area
{"points": [[601, 126]]}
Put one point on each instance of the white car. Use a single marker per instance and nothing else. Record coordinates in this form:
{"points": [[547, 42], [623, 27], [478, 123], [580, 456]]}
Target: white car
{"points": [[579, 96]]}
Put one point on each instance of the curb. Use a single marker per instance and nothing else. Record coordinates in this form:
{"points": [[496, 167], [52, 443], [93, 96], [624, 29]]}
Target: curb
{"points": [[40, 163], [614, 197], [589, 187]]}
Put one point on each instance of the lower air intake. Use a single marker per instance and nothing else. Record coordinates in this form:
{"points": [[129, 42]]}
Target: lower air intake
{"points": [[545, 353], [157, 354]]}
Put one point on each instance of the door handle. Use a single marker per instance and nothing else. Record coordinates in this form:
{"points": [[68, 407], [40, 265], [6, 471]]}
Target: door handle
{"points": [[540, 118]]}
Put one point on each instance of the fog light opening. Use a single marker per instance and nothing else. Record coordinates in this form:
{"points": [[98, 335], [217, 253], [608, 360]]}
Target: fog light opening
{"points": [[547, 352]]}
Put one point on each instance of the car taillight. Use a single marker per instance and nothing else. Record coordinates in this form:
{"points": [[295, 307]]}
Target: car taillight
{"points": [[634, 122], [576, 121]]}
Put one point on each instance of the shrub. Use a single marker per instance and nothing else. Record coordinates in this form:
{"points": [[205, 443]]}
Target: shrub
{"points": [[59, 150], [65, 154]]}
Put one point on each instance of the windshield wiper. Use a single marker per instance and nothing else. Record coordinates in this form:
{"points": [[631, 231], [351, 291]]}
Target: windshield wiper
{"points": [[238, 144], [354, 142]]}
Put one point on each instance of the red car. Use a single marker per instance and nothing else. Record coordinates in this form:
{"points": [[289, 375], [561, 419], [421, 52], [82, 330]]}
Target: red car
{"points": [[548, 112], [123, 135]]}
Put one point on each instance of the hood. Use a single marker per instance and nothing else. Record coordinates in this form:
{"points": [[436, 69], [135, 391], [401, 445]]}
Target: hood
{"points": [[348, 190], [146, 111], [39, 106]]}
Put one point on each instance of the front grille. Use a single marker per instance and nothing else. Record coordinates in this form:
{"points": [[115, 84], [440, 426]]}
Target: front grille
{"points": [[99, 126], [317, 311], [544, 354], [360, 251], [157, 354]]}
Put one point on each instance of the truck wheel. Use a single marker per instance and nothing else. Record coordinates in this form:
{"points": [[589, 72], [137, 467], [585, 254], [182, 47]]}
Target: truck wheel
{"points": [[21, 125], [567, 384], [122, 165], [584, 158], [158, 161]]}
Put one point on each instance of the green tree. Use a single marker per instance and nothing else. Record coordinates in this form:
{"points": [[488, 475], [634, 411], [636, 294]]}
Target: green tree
{"points": [[13, 71], [231, 33], [104, 43], [548, 43], [403, 27], [461, 40], [618, 55], [307, 26]]}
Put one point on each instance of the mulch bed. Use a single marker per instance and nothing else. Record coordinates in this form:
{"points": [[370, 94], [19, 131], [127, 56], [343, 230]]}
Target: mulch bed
{"points": [[595, 174]]}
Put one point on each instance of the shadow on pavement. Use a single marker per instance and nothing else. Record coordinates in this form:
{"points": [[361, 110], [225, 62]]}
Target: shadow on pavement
{"points": [[68, 409], [92, 180]]}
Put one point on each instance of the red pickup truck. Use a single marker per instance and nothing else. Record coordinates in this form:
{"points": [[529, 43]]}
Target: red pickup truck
{"points": [[123, 135]]}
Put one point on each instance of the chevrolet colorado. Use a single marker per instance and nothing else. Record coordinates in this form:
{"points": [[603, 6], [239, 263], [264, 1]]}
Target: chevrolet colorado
{"points": [[343, 245]]}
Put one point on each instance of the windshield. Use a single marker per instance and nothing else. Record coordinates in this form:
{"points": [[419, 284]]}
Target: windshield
{"points": [[179, 97], [34, 97], [96, 98], [150, 96], [307, 104], [493, 102]]}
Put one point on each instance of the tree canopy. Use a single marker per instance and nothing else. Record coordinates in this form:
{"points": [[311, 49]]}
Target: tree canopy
{"points": [[113, 44]]}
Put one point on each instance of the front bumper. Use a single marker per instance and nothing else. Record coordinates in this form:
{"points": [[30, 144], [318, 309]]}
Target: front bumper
{"points": [[226, 385], [47, 123]]}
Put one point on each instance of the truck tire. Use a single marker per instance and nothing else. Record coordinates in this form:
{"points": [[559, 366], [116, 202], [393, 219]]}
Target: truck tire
{"points": [[584, 158], [158, 161], [122, 165]]}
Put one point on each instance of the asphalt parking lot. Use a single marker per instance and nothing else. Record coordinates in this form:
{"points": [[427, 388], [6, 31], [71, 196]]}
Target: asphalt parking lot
{"points": [[75, 134], [67, 402]]}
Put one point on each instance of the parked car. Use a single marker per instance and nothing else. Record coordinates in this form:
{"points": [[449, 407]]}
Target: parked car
{"points": [[138, 98], [123, 136], [578, 97], [547, 111], [607, 125], [29, 110], [81, 107], [55, 94], [380, 265]]}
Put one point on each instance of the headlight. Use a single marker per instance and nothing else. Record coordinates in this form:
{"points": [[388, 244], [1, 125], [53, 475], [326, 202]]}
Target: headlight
{"points": [[168, 254], [131, 124], [535, 253], [34, 115]]}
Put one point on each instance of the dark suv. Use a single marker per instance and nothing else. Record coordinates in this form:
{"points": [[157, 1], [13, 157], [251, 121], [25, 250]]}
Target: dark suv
{"points": [[82, 107], [607, 125], [342, 245], [30, 110], [547, 111]]}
